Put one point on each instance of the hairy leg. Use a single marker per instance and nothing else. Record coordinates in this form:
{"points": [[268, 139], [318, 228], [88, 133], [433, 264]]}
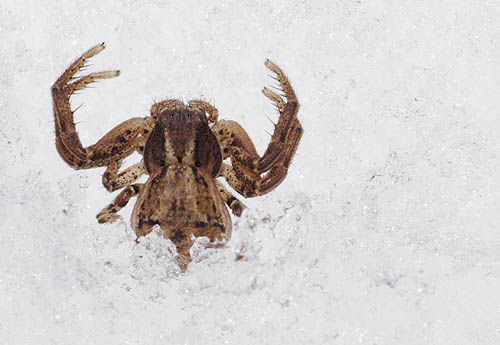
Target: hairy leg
{"points": [[250, 174], [244, 175], [287, 131], [115, 145]]}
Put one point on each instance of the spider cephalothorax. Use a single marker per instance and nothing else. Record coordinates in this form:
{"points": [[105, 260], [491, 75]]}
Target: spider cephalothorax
{"points": [[181, 135], [183, 147]]}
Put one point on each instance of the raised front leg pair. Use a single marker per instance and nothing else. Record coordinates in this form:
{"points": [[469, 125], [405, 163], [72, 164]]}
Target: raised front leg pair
{"points": [[245, 172], [109, 151]]}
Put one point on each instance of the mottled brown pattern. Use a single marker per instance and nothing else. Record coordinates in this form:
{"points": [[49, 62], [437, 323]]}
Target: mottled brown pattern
{"points": [[180, 197], [183, 148]]}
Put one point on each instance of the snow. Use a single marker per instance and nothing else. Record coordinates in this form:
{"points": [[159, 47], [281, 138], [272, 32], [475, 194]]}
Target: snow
{"points": [[384, 232]]}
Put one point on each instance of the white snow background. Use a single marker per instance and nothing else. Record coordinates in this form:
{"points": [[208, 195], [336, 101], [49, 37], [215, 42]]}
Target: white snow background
{"points": [[384, 232]]}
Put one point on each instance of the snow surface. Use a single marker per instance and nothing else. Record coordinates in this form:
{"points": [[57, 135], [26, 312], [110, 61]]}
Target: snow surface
{"points": [[385, 231]]}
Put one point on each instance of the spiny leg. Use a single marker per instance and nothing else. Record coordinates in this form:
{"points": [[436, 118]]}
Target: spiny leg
{"points": [[117, 144], [67, 140], [109, 213], [279, 169], [285, 85], [234, 204], [78, 64], [244, 181], [235, 142], [245, 174], [245, 178], [287, 121]]}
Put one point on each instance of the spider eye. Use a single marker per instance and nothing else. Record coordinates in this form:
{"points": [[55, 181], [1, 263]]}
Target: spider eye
{"points": [[188, 114], [171, 114]]}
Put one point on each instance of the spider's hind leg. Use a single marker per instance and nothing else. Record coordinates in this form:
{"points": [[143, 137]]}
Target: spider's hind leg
{"points": [[231, 201], [109, 213], [113, 180]]}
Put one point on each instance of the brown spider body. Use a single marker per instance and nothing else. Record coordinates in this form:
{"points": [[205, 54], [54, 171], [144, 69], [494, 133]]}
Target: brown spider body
{"points": [[183, 148], [183, 158]]}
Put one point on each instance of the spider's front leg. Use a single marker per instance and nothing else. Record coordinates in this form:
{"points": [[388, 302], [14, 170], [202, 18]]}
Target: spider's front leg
{"points": [[245, 174], [114, 146]]}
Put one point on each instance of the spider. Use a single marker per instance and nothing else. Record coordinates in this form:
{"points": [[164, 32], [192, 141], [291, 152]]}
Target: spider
{"points": [[184, 148]]}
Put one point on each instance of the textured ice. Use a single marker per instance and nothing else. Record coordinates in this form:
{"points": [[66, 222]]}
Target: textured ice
{"points": [[385, 231]]}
